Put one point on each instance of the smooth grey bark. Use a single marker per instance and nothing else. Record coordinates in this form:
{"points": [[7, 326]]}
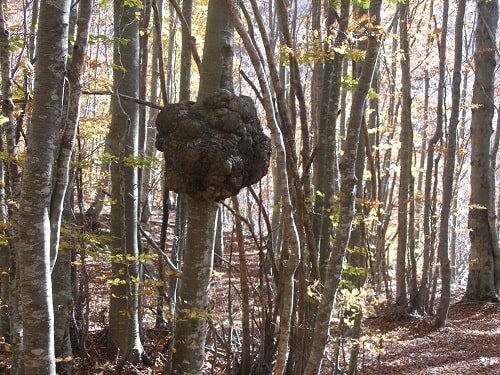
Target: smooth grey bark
{"points": [[423, 292], [405, 157], [449, 167], [481, 280], [123, 334], [33, 231], [61, 273], [192, 308], [433, 267], [357, 254], [346, 197], [33, 29], [423, 133]]}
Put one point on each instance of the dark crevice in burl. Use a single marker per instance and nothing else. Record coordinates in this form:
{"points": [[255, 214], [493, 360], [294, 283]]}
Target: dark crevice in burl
{"points": [[212, 149]]}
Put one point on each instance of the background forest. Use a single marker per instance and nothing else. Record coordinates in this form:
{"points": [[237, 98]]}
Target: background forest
{"points": [[249, 187]]}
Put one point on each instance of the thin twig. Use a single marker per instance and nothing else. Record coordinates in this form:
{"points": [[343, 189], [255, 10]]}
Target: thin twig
{"points": [[157, 248], [124, 97], [255, 90]]}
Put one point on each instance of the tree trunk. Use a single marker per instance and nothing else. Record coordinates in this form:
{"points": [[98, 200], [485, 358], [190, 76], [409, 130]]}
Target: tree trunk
{"points": [[493, 215], [481, 281], [449, 167], [185, 68], [219, 238], [245, 293], [123, 335], [143, 124], [33, 236], [192, 309], [405, 157], [61, 274], [147, 189], [326, 149]]}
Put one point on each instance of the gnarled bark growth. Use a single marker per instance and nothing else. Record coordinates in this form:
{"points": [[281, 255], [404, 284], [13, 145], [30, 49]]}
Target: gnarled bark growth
{"points": [[213, 149]]}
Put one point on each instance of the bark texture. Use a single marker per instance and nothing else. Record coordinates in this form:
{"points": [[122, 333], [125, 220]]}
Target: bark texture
{"points": [[123, 335], [481, 281], [212, 149], [449, 167], [405, 158], [33, 242], [61, 273]]}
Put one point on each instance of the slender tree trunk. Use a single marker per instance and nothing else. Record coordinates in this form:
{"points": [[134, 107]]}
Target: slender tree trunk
{"points": [[61, 274], [245, 293], [147, 189], [405, 157], [481, 281], [219, 238], [449, 167], [327, 150], [316, 88], [123, 335], [185, 73], [143, 124]]}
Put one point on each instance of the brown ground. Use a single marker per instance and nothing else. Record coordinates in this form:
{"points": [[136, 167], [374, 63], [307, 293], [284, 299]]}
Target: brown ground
{"points": [[469, 345], [396, 344]]}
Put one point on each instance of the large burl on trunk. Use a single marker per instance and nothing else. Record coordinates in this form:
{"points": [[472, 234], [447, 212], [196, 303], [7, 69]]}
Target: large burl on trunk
{"points": [[212, 149]]}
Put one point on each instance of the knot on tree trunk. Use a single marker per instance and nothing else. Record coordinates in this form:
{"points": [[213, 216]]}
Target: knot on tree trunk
{"points": [[212, 149]]}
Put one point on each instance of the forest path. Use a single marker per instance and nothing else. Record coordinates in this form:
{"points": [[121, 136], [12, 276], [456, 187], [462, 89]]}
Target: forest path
{"points": [[469, 345]]}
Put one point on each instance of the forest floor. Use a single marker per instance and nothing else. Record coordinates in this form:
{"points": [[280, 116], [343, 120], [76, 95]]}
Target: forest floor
{"points": [[470, 343], [396, 343]]}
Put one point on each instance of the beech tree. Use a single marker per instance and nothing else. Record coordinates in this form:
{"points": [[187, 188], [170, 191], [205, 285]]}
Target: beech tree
{"points": [[481, 280], [405, 157], [190, 329], [33, 233], [123, 336], [449, 172]]}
